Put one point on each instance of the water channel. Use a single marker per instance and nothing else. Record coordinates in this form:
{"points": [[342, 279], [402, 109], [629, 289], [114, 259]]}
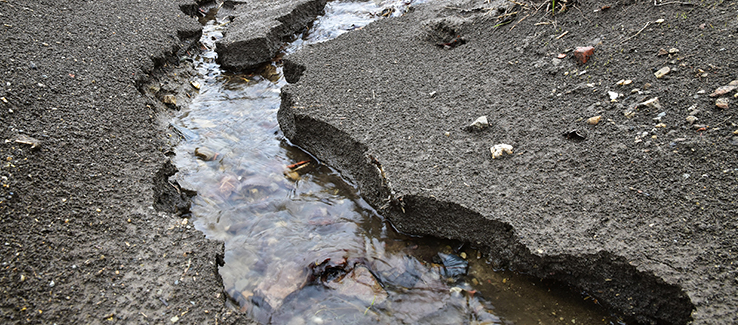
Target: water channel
{"points": [[302, 246]]}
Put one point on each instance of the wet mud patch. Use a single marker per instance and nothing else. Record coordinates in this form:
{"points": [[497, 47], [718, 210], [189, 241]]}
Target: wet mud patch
{"points": [[628, 190], [638, 296], [168, 195]]}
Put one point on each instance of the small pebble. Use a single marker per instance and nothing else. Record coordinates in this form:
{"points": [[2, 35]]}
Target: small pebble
{"points": [[652, 103], [594, 120], [499, 149], [170, 99], [582, 54], [722, 103], [479, 124], [662, 72], [613, 95], [722, 90]]}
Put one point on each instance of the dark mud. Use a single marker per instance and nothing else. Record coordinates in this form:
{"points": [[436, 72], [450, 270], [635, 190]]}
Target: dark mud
{"points": [[637, 210]]}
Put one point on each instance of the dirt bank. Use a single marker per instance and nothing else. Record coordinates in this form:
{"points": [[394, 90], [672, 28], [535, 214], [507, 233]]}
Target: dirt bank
{"points": [[87, 234], [627, 198]]}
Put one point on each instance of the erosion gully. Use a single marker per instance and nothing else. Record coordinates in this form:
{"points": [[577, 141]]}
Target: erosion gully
{"points": [[301, 245]]}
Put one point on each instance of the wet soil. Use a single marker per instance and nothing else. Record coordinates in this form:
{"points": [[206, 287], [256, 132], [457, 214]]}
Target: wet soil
{"points": [[91, 229], [301, 246], [86, 234], [638, 210]]}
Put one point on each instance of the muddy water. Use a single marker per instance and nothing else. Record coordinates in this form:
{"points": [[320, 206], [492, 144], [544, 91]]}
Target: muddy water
{"points": [[302, 247]]}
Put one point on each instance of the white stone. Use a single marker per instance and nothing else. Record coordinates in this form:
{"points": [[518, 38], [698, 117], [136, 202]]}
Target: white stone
{"points": [[613, 95], [499, 149], [479, 123], [652, 103]]}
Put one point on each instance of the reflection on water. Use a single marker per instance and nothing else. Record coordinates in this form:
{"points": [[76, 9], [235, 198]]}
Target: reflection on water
{"points": [[302, 247]]}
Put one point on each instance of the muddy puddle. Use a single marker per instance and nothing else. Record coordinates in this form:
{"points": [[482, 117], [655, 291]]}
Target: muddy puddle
{"points": [[302, 247]]}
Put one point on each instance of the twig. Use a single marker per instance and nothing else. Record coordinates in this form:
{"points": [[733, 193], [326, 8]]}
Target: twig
{"points": [[501, 16], [562, 35], [729, 117], [673, 3], [636, 34], [581, 13], [521, 19]]}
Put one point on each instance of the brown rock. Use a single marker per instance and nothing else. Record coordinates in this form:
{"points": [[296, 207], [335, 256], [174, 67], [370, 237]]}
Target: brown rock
{"points": [[582, 54], [280, 282], [361, 284], [205, 154], [725, 89]]}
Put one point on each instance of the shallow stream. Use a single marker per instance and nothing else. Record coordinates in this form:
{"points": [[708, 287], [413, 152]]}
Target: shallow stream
{"points": [[302, 246]]}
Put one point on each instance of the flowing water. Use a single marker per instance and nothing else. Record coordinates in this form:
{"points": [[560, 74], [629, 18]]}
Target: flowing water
{"points": [[302, 247]]}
